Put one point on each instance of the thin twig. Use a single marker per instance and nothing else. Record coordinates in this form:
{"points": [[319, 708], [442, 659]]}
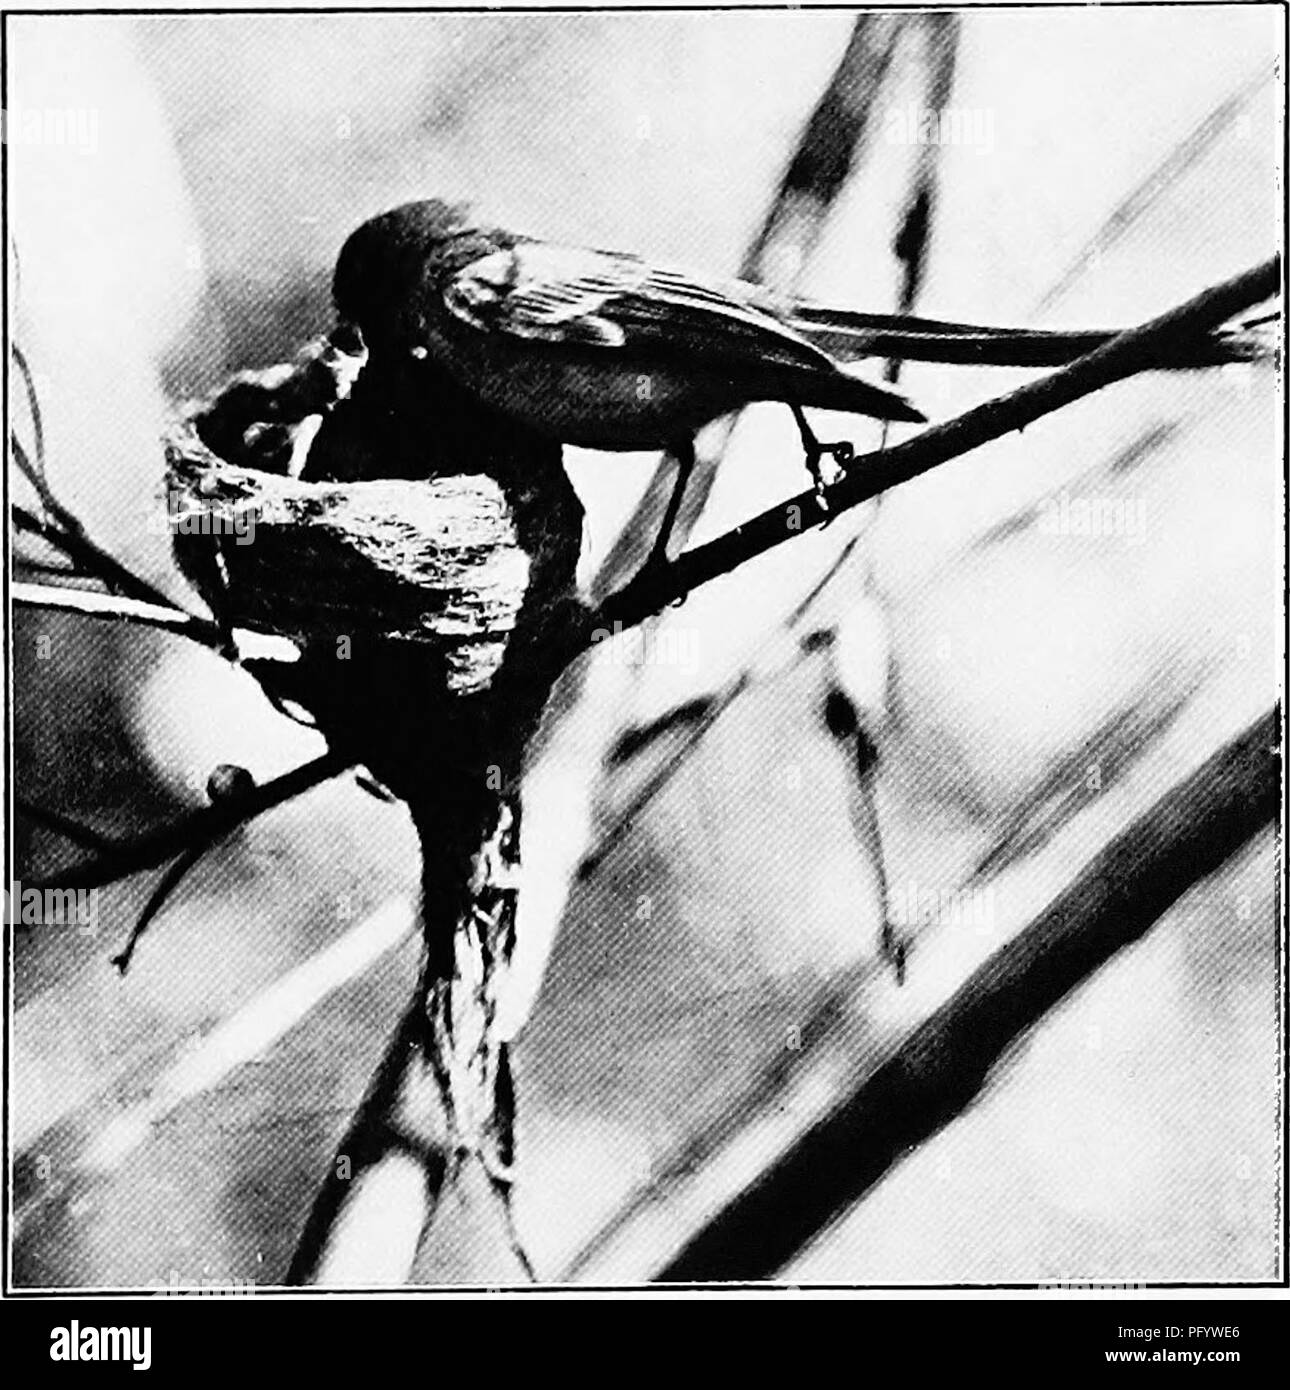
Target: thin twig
{"points": [[662, 776], [37, 423], [157, 899], [142, 612], [1182, 157], [202, 828], [65, 533], [55, 821]]}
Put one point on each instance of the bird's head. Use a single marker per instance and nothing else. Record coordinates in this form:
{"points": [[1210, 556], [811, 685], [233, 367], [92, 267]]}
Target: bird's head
{"points": [[382, 264]]}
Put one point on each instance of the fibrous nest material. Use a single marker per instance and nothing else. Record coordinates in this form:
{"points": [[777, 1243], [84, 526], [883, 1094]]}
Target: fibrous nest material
{"points": [[436, 560]]}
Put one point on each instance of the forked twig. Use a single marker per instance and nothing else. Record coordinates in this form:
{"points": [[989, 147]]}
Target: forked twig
{"points": [[201, 829]]}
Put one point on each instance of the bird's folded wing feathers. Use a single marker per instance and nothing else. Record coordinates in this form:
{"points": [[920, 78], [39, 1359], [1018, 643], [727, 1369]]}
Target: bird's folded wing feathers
{"points": [[604, 299]]}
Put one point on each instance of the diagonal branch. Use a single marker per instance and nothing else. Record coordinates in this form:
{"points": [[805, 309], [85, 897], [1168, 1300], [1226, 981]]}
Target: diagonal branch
{"points": [[1159, 180], [66, 534], [144, 613], [67, 826], [1186, 836], [940, 34], [1126, 354]]}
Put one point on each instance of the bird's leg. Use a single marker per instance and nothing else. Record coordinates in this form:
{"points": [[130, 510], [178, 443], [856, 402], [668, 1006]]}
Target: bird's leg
{"points": [[683, 452], [841, 453]]}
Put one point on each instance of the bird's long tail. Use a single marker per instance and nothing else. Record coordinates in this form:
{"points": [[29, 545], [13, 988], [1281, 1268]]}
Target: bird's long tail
{"points": [[849, 335]]}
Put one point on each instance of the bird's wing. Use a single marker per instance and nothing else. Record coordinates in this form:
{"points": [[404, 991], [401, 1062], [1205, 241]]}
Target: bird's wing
{"points": [[606, 299]]}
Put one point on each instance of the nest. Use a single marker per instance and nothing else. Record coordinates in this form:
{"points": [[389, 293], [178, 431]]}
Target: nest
{"points": [[479, 547], [436, 561]]}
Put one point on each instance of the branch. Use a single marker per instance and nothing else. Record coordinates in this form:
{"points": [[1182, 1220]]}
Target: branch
{"points": [[940, 34], [649, 593], [66, 534], [157, 899], [1159, 180], [836, 139], [870, 474], [70, 829], [373, 1137], [128, 610], [201, 829], [1186, 836]]}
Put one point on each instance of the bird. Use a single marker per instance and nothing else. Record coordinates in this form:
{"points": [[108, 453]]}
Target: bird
{"points": [[609, 350], [601, 349]]}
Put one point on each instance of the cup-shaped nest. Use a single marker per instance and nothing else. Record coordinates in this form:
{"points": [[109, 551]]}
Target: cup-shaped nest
{"points": [[436, 560]]}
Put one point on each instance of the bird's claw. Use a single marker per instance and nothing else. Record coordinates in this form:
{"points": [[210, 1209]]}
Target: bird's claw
{"points": [[842, 453], [821, 493]]}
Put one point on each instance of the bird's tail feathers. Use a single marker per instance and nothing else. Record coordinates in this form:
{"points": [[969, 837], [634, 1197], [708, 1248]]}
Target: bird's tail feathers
{"points": [[849, 335]]}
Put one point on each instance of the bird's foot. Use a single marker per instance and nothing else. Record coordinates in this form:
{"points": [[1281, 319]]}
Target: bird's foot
{"points": [[840, 454]]}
